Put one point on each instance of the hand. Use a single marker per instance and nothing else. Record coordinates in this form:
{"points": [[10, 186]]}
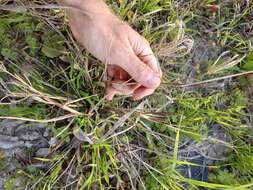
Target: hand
{"points": [[132, 68]]}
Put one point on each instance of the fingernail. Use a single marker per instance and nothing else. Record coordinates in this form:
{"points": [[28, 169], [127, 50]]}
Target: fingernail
{"points": [[153, 80]]}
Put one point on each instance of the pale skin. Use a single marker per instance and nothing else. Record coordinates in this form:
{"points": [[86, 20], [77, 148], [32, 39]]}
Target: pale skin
{"points": [[132, 68]]}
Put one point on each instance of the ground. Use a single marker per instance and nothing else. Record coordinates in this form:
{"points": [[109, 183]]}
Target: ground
{"points": [[58, 132]]}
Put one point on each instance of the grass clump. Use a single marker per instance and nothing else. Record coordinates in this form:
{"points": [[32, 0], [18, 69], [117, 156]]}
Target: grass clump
{"points": [[46, 78]]}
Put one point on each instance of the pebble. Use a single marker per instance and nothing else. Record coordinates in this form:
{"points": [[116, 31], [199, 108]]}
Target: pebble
{"points": [[42, 152]]}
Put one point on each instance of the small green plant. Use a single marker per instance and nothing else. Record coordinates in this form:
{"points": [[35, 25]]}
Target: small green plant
{"points": [[122, 144]]}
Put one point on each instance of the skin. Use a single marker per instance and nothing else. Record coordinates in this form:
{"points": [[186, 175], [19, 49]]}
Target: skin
{"points": [[132, 68]]}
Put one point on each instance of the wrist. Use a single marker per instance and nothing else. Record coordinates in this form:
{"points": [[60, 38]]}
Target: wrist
{"points": [[79, 2], [91, 6]]}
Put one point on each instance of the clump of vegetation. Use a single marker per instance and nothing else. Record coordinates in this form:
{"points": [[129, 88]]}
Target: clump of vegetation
{"points": [[46, 78]]}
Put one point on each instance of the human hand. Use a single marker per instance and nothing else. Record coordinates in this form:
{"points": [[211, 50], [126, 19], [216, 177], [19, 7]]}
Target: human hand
{"points": [[132, 68]]}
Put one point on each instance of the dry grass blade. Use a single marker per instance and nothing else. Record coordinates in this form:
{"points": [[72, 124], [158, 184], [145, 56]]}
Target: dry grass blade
{"points": [[28, 7], [179, 47], [81, 135], [175, 49], [122, 120], [40, 121], [216, 79], [31, 92], [121, 132], [230, 62], [25, 8]]}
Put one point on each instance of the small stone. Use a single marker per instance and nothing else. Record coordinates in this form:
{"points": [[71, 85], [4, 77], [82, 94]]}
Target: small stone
{"points": [[7, 142], [42, 152], [53, 142], [46, 133], [31, 136]]}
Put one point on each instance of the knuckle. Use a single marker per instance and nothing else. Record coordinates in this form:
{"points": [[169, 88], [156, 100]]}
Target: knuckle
{"points": [[145, 41]]}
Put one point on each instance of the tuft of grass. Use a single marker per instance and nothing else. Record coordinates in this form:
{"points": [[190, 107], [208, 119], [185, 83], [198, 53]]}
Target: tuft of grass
{"points": [[45, 77]]}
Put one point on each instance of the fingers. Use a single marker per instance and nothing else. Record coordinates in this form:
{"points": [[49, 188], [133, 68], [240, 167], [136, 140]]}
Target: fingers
{"points": [[138, 63], [120, 88], [141, 62], [118, 83], [143, 50], [142, 92], [110, 93], [148, 57], [137, 94], [116, 73], [140, 72], [124, 88]]}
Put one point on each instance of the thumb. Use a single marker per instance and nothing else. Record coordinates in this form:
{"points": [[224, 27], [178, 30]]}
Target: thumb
{"points": [[140, 72], [144, 52]]}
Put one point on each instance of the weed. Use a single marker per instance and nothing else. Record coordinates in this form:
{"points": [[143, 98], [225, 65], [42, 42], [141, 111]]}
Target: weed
{"points": [[45, 77]]}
